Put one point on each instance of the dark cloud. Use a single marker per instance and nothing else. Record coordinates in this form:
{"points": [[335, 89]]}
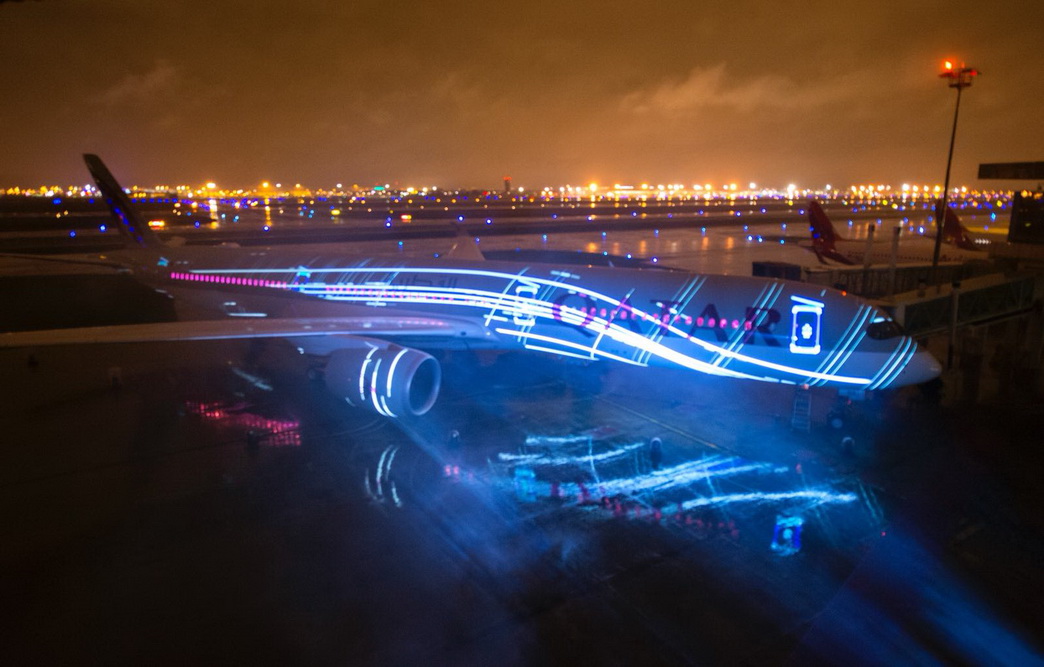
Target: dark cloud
{"points": [[466, 92], [158, 85]]}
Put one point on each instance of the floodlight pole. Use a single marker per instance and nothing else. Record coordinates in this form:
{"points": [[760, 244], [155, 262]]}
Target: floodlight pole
{"points": [[960, 78]]}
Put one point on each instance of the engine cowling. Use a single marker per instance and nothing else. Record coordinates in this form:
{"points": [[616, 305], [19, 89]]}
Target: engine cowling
{"points": [[385, 378]]}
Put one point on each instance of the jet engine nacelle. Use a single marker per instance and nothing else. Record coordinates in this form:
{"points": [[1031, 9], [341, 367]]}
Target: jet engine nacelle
{"points": [[390, 380]]}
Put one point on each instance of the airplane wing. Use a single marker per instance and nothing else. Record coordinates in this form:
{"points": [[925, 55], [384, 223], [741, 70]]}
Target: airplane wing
{"points": [[17, 262], [377, 327]]}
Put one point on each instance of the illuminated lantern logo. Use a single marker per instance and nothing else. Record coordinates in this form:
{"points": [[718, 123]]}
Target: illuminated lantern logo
{"points": [[806, 316]]}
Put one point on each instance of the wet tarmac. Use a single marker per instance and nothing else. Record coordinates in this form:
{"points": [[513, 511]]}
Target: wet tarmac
{"points": [[161, 506]]}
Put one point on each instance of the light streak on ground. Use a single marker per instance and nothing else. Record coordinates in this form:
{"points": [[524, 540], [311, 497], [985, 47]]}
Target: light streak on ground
{"points": [[571, 477], [659, 482], [555, 439], [816, 496], [546, 460], [685, 474]]}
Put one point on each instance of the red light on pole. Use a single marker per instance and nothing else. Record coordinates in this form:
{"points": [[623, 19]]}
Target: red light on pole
{"points": [[960, 78]]}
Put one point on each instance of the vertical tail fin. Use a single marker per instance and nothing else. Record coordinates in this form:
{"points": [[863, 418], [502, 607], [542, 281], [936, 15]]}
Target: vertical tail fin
{"points": [[823, 236], [953, 231], [123, 214], [464, 246]]}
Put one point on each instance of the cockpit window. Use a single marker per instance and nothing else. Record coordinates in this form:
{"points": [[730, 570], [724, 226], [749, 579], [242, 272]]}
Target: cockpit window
{"points": [[883, 329]]}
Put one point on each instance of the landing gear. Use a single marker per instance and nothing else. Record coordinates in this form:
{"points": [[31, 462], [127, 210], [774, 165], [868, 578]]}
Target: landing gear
{"points": [[841, 413]]}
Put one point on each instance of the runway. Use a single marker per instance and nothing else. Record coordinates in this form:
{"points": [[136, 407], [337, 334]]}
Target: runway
{"points": [[692, 227]]}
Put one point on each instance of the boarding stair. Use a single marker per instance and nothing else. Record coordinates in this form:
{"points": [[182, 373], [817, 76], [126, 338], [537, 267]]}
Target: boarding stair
{"points": [[801, 418]]}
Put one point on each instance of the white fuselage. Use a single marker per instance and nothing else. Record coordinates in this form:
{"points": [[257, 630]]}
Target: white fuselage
{"points": [[746, 327]]}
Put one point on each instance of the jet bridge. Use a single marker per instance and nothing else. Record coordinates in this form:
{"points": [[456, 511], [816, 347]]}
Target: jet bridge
{"points": [[874, 281], [978, 300]]}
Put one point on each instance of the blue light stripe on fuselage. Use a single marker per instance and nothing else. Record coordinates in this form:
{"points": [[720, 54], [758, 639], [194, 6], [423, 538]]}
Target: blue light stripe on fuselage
{"points": [[893, 359], [771, 291], [485, 298], [666, 353], [902, 360], [682, 297], [507, 288], [848, 344]]}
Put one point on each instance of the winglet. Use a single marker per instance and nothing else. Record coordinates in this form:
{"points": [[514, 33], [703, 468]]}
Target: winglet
{"points": [[123, 213], [823, 235], [953, 231]]}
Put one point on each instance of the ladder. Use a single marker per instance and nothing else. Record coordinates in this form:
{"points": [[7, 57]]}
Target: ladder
{"points": [[801, 418]]}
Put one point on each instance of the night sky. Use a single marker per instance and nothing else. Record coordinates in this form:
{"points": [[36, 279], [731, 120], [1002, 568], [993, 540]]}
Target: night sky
{"points": [[548, 92]]}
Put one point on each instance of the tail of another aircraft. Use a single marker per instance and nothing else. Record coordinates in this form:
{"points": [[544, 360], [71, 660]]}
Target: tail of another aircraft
{"points": [[823, 236], [953, 231], [123, 213]]}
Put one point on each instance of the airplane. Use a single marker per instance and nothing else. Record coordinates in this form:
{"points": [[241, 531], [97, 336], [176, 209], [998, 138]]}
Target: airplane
{"points": [[372, 322], [827, 244]]}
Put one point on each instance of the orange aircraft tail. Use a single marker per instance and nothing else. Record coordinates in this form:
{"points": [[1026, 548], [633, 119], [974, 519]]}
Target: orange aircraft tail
{"points": [[953, 231], [824, 238]]}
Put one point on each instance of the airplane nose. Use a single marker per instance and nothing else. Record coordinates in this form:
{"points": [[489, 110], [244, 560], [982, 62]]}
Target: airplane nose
{"points": [[922, 368]]}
